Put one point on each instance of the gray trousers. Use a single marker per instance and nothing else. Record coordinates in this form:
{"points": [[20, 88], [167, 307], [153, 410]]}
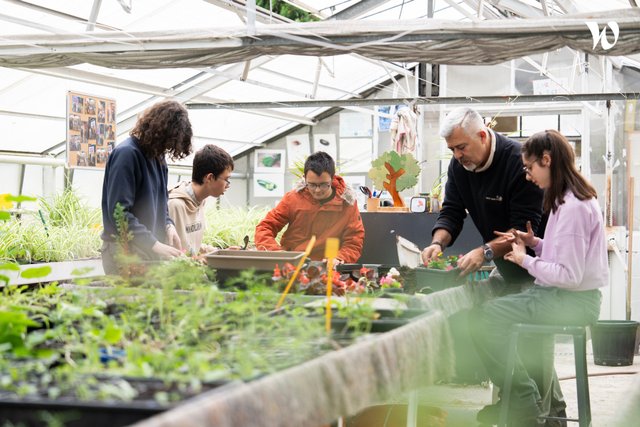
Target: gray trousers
{"points": [[491, 323]]}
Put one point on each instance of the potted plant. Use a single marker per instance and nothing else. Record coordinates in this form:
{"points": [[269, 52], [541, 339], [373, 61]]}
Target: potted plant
{"points": [[439, 273]]}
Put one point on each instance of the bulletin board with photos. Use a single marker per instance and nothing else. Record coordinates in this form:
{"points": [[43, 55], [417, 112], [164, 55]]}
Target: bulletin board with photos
{"points": [[91, 130]]}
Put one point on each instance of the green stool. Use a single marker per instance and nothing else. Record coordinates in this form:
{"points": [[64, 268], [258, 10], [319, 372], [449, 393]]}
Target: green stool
{"points": [[579, 335]]}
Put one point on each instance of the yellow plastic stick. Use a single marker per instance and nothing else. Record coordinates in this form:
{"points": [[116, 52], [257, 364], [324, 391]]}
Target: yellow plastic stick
{"points": [[330, 253], [307, 251]]}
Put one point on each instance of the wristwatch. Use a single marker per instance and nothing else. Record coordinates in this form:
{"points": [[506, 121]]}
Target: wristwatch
{"points": [[488, 252]]}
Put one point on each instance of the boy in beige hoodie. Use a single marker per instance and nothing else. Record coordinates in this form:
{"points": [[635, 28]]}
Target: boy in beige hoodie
{"points": [[212, 167]]}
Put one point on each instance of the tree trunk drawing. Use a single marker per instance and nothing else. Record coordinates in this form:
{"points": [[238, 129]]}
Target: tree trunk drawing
{"points": [[390, 186]]}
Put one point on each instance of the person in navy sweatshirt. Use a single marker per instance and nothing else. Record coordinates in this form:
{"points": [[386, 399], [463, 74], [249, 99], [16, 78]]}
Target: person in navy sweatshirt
{"points": [[136, 178], [570, 265]]}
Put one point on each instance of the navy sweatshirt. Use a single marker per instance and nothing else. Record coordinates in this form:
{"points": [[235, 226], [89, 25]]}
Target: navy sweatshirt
{"points": [[497, 199], [140, 185]]}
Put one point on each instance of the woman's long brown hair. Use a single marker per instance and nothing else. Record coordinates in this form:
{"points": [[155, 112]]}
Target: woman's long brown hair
{"points": [[564, 174], [164, 128]]}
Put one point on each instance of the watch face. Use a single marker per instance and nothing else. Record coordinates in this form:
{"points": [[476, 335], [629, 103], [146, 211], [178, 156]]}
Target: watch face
{"points": [[488, 253]]}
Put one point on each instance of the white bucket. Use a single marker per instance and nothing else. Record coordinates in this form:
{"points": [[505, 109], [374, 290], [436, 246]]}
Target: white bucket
{"points": [[408, 253]]}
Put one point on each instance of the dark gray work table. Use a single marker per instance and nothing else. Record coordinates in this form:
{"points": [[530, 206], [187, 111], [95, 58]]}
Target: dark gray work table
{"points": [[381, 229]]}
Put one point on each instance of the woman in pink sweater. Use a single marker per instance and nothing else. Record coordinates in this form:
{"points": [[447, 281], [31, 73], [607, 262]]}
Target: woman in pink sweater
{"points": [[569, 267]]}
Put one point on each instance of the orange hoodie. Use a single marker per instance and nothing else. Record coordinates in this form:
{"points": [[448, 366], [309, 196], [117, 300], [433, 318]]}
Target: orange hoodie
{"points": [[338, 217]]}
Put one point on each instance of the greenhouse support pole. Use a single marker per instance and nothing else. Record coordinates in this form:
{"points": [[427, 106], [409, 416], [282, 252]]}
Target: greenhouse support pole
{"points": [[68, 179], [630, 215]]}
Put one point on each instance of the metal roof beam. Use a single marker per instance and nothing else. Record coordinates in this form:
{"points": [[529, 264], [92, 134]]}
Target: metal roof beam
{"points": [[239, 7], [93, 17], [462, 10], [57, 13], [31, 24], [576, 97], [31, 115], [518, 8], [357, 9], [305, 7]]}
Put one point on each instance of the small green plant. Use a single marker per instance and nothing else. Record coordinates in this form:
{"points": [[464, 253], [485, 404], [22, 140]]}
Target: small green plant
{"points": [[123, 236], [443, 263]]}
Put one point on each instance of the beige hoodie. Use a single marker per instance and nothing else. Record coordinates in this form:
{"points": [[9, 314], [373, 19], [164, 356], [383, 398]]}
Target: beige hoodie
{"points": [[188, 215]]}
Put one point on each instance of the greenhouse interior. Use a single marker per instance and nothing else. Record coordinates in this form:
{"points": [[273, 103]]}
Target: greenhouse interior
{"points": [[439, 194]]}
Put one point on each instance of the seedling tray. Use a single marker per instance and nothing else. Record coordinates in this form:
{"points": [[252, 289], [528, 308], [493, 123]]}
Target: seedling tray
{"points": [[388, 320], [32, 411], [228, 259]]}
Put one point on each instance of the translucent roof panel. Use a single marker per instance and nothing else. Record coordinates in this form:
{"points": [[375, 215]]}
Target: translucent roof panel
{"points": [[32, 102]]}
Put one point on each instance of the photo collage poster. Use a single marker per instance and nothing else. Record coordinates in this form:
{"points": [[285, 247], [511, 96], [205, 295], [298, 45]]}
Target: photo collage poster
{"points": [[91, 130]]}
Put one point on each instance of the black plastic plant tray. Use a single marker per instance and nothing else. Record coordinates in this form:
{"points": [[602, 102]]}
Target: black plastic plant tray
{"points": [[388, 320], [32, 412]]}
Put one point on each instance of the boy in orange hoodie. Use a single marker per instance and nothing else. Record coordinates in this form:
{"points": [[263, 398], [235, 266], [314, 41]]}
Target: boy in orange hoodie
{"points": [[321, 205]]}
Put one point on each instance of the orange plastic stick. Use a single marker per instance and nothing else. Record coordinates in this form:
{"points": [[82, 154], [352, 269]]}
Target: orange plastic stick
{"points": [[307, 251], [330, 253]]}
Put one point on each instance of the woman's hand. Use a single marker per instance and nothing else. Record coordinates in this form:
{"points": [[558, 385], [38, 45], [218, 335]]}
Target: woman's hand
{"points": [[517, 253], [514, 235]]}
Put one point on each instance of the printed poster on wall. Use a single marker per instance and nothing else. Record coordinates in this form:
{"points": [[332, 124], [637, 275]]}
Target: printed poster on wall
{"points": [[269, 161], [91, 130], [298, 149], [326, 142], [268, 185]]}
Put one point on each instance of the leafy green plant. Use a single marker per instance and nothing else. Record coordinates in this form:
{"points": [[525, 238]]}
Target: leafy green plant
{"points": [[443, 263], [228, 226], [6, 202], [91, 343], [66, 209]]}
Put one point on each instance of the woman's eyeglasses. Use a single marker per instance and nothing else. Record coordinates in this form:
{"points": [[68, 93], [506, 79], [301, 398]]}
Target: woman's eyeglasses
{"points": [[527, 168]]}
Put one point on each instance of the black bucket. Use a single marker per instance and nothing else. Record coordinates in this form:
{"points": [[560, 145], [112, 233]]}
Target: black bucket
{"points": [[613, 342]]}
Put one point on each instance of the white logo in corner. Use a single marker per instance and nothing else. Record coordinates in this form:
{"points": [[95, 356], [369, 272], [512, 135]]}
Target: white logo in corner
{"points": [[601, 37]]}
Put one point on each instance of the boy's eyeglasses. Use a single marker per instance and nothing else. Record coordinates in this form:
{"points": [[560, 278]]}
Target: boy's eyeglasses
{"points": [[321, 186]]}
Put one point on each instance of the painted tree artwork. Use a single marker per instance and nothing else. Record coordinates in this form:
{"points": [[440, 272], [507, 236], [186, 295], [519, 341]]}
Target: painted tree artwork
{"points": [[395, 172]]}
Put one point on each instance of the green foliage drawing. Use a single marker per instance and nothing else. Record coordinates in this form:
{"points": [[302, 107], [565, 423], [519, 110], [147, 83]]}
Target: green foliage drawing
{"points": [[394, 173]]}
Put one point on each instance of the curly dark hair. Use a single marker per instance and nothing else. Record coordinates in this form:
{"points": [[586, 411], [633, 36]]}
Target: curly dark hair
{"points": [[164, 128]]}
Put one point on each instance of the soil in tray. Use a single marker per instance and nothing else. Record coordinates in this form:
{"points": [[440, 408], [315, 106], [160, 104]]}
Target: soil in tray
{"points": [[34, 412]]}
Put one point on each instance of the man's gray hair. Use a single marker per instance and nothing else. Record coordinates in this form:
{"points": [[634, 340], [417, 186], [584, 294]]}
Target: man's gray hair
{"points": [[466, 118]]}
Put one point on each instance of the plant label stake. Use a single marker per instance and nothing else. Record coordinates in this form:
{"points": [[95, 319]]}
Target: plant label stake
{"points": [[307, 251], [330, 253]]}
